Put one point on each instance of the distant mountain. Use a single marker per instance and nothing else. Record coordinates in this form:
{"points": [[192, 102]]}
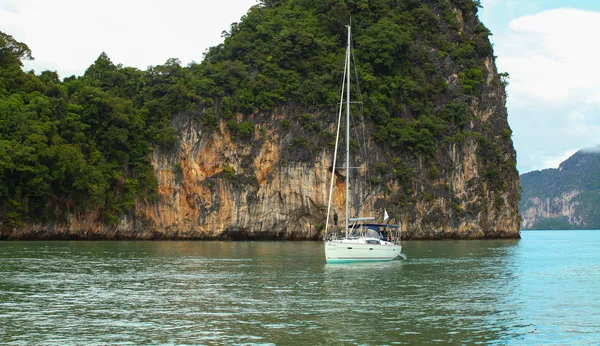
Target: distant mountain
{"points": [[567, 197]]}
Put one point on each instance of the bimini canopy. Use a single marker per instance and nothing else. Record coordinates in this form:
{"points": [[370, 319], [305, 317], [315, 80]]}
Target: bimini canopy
{"points": [[373, 229]]}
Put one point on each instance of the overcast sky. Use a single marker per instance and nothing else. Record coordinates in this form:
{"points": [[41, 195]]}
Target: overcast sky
{"points": [[549, 48], [68, 35]]}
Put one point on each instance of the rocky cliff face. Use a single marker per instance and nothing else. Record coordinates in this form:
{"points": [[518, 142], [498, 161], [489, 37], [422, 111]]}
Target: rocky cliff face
{"points": [[563, 206], [439, 157], [564, 198], [214, 188], [468, 189], [288, 199]]}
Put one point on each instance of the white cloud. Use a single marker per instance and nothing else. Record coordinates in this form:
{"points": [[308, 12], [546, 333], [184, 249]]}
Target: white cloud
{"points": [[554, 91], [593, 100], [592, 150], [555, 161], [8, 6], [68, 35], [551, 55]]}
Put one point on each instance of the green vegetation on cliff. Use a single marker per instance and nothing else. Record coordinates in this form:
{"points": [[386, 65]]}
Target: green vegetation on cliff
{"points": [[84, 143], [291, 53]]}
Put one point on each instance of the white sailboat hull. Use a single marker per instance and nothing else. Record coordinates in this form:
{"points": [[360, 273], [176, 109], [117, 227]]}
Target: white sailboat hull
{"points": [[360, 250]]}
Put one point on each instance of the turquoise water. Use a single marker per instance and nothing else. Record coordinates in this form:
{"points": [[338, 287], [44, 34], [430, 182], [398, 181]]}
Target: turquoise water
{"points": [[542, 289]]}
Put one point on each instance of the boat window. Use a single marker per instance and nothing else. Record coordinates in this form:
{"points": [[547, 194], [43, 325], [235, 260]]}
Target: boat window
{"points": [[364, 232], [372, 234]]}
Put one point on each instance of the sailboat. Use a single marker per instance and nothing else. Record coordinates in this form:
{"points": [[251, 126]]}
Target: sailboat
{"points": [[363, 240]]}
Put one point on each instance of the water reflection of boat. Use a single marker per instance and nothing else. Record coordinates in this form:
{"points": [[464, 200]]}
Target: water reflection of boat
{"points": [[362, 241]]}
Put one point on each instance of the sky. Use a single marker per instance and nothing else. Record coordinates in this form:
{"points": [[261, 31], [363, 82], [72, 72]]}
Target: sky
{"points": [[67, 36], [549, 48]]}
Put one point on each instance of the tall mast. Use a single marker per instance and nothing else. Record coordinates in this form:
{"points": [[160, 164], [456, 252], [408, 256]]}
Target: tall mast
{"points": [[347, 130]]}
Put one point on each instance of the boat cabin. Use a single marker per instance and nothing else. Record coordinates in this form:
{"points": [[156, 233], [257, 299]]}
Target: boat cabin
{"points": [[373, 231]]}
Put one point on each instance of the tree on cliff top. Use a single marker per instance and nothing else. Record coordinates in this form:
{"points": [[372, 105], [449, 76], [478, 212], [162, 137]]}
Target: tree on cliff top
{"points": [[12, 51], [290, 52]]}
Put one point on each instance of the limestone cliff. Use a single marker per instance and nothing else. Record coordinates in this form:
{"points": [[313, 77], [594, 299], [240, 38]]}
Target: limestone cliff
{"points": [[564, 198], [561, 207], [252, 157]]}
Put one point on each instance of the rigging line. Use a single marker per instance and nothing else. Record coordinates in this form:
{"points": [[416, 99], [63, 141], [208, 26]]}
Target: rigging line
{"points": [[337, 137], [362, 154], [364, 137], [356, 173], [357, 83], [362, 117], [360, 185], [363, 148]]}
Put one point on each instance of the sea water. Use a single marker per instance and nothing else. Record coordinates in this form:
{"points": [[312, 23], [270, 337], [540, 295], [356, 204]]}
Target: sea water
{"points": [[542, 289]]}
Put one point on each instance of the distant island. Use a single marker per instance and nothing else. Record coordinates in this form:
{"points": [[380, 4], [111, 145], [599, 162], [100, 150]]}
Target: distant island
{"points": [[567, 197]]}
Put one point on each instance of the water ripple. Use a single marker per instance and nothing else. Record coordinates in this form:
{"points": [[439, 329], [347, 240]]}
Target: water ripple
{"points": [[187, 293]]}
